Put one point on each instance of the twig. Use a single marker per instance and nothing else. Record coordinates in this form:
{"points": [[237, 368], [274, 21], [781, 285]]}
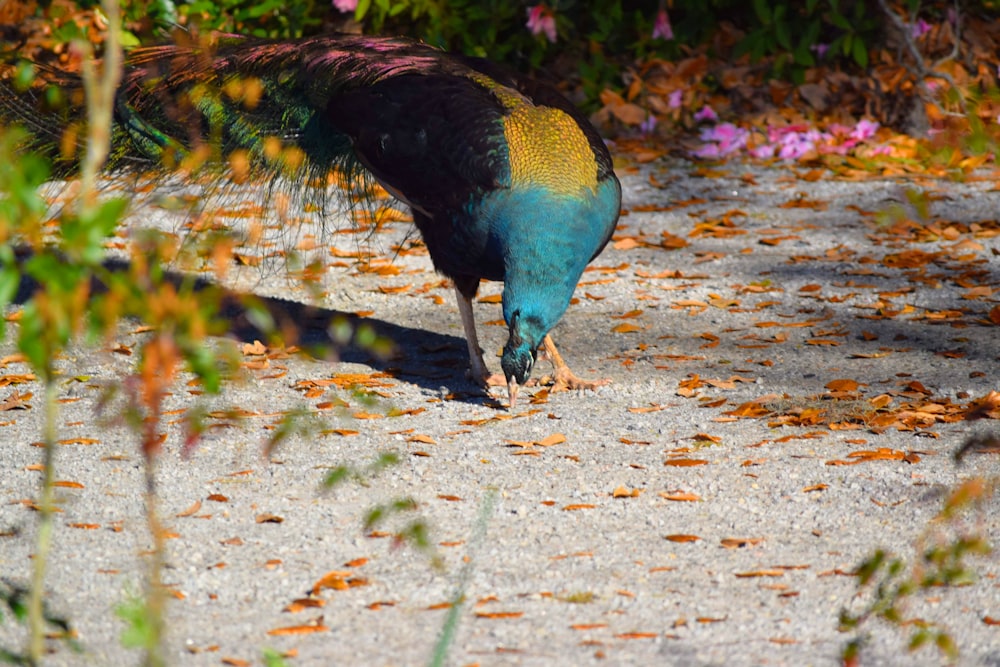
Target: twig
{"points": [[43, 543], [919, 70], [100, 91]]}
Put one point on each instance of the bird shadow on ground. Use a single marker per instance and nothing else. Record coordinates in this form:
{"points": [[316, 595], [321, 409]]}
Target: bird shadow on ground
{"points": [[433, 361]]}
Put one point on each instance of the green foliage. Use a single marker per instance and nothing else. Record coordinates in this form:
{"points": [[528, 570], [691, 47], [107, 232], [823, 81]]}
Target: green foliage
{"points": [[264, 18], [14, 605], [595, 41], [362, 476], [274, 658], [794, 32], [301, 422], [414, 532], [604, 36], [140, 622], [447, 636], [942, 563]]}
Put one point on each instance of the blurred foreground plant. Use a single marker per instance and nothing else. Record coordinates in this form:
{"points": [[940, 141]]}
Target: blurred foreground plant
{"points": [[63, 265], [944, 549], [77, 295]]}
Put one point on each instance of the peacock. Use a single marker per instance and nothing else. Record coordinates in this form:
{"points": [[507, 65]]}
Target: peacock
{"points": [[506, 179]]}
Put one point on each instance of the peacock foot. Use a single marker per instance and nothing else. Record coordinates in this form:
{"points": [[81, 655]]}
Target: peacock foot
{"points": [[566, 380], [562, 377]]}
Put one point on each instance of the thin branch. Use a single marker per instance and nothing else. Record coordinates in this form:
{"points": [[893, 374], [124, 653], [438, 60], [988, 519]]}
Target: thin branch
{"points": [[920, 71]]}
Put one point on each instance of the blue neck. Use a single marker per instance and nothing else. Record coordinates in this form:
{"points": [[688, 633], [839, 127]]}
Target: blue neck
{"points": [[547, 242]]}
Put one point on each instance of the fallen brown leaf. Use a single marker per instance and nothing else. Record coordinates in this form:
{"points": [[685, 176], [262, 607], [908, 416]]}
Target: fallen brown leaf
{"points": [[740, 542], [499, 614], [306, 629], [680, 496]]}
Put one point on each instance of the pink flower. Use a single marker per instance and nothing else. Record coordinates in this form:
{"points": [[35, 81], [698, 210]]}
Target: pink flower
{"points": [[661, 27], [795, 148], [542, 19], [820, 49], [763, 151], [721, 140], [707, 152], [729, 137], [920, 28], [865, 129], [706, 113], [677, 97], [345, 5], [795, 144]]}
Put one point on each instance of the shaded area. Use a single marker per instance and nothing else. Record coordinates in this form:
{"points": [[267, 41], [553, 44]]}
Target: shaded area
{"points": [[428, 359]]}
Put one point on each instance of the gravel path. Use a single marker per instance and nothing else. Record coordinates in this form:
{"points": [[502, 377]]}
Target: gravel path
{"points": [[784, 285]]}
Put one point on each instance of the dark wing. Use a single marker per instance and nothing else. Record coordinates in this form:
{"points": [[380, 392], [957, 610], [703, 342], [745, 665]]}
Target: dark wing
{"points": [[310, 93], [434, 140]]}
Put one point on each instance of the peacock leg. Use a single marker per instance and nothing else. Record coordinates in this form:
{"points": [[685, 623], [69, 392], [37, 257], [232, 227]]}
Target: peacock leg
{"points": [[478, 372], [565, 379]]}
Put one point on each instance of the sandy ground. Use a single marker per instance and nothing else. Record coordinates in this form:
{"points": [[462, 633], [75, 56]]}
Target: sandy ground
{"points": [[784, 285]]}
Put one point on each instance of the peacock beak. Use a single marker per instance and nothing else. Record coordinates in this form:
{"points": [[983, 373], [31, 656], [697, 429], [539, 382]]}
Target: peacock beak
{"points": [[512, 391]]}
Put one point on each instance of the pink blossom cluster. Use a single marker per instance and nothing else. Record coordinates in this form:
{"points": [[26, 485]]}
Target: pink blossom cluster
{"points": [[541, 19], [790, 142]]}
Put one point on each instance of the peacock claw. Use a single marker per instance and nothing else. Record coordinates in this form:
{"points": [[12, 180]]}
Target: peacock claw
{"points": [[566, 380], [563, 378]]}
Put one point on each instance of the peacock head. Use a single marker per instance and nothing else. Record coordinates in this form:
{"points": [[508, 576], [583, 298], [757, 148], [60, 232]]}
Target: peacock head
{"points": [[526, 334]]}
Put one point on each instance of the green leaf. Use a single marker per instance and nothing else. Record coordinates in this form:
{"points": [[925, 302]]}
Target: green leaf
{"points": [[139, 631], [374, 516], [128, 39], [782, 34], [946, 644], [840, 21], [31, 342], [10, 277], [201, 360], [803, 56], [763, 11], [860, 52], [386, 460], [336, 476], [847, 44], [23, 76], [273, 658]]}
